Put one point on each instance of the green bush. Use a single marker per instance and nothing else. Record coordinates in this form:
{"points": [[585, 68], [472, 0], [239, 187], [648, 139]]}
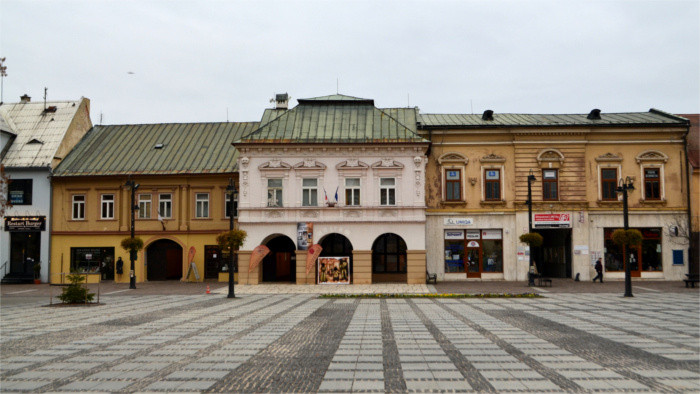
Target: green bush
{"points": [[231, 240], [630, 237], [75, 293], [132, 244], [532, 239]]}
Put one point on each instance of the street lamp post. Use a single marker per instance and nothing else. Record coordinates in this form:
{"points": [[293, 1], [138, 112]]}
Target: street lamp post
{"points": [[530, 178], [622, 187], [132, 253], [231, 191]]}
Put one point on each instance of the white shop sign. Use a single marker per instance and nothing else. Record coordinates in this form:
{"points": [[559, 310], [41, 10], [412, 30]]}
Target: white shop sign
{"points": [[552, 220], [491, 234], [454, 234], [458, 221], [473, 234]]}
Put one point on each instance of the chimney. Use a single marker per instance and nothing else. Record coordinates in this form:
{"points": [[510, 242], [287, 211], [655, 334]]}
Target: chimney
{"points": [[594, 115], [488, 115], [25, 99], [281, 101]]}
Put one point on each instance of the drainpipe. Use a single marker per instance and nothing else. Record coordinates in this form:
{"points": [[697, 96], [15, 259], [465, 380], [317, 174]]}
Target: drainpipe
{"points": [[50, 225], [687, 188]]}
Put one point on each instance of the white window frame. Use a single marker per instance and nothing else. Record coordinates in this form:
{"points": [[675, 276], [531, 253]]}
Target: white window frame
{"points": [[107, 206], [386, 191], [165, 201], [352, 190], [145, 206], [78, 207], [201, 205], [310, 191], [278, 192]]}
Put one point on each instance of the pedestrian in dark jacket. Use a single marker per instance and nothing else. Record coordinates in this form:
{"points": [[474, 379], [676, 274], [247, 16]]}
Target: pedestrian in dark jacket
{"points": [[599, 270]]}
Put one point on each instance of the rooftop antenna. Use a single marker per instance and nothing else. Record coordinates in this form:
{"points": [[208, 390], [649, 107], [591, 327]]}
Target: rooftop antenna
{"points": [[226, 114], [337, 85], [45, 93], [3, 74], [471, 103], [100, 118]]}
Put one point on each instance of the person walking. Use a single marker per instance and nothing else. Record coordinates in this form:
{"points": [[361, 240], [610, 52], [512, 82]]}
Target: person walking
{"points": [[599, 270]]}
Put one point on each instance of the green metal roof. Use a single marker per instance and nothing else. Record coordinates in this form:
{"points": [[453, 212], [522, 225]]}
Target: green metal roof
{"points": [[653, 117], [336, 119], [166, 148]]}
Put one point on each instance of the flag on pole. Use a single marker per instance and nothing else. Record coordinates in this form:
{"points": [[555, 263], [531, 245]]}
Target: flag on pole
{"points": [[313, 253], [256, 257], [336, 193], [326, 195]]}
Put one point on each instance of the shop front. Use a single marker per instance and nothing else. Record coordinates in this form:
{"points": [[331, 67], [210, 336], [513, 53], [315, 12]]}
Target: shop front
{"points": [[25, 244], [473, 252], [553, 258], [646, 257]]}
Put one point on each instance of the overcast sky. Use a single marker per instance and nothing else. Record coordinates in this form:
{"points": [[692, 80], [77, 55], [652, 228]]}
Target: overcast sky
{"points": [[181, 61]]}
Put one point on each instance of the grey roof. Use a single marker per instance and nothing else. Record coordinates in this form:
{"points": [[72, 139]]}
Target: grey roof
{"points": [[38, 133], [187, 148], [653, 117], [336, 119], [6, 124]]}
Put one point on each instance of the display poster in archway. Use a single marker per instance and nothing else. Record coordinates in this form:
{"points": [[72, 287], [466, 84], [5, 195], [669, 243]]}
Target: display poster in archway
{"points": [[334, 270], [305, 235]]}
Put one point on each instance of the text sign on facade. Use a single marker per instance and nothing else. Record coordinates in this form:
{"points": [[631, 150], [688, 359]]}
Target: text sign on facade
{"points": [[552, 220], [458, 221], [25, 223]]}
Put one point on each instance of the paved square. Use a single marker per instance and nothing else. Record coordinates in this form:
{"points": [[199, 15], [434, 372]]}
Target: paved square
{"points": [[299, 343]]}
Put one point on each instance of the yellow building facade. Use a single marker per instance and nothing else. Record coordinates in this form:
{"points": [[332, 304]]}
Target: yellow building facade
{"points": [[180, 205]]}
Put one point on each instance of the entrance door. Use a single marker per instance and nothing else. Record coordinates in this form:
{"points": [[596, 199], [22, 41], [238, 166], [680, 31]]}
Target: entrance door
{"points": [[212, 261], [633, 260], [279, 265], [164, 260], [473, 259], [283, 268], [553, 258], [25, 249]]}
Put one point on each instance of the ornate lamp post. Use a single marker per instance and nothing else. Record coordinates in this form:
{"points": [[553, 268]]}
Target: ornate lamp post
{"points": [[530, 178], [231, 191], [622, 187], [132, 254]]}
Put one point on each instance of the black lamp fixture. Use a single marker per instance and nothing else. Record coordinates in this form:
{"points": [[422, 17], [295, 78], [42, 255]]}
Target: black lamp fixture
{"points": [[231, 192], [623, 186], [132, 254]]}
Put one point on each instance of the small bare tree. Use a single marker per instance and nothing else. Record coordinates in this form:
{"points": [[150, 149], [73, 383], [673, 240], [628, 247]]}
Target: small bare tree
{"points": [[4, 198]]}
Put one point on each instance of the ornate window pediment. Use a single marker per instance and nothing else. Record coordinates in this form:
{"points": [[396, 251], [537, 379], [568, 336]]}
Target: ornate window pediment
{"points": [[651, 156], [388, 164], [453, 157], [352, 164], [309, 164], [493, 158], [608, 157], [274, 164], [549, 156]]}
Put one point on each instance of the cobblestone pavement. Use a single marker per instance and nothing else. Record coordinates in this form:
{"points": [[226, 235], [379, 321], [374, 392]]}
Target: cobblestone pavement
{"points": [[565, 342]]}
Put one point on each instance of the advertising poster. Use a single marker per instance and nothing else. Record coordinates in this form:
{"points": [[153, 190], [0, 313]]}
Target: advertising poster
{"points": [[334, 270], [311, 256], [256, 257], [305, 235]]}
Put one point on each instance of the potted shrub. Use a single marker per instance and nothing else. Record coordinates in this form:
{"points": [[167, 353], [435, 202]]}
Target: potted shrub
{"points": [[75, 293], [37, 273], [231, 241], [532, 239]]}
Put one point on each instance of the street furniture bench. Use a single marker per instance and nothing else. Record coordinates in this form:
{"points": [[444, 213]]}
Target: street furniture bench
{"points": [[544, 282], [430, 277], [692, 280]]}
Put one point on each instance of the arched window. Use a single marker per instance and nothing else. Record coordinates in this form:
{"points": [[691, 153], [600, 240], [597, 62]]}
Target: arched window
{"points": [[389, 255]]}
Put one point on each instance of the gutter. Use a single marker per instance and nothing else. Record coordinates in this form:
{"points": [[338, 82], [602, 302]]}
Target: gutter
{"points": [[687, 188]]}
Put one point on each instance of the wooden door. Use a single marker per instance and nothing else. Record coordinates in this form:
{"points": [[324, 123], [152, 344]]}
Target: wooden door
{"points": [[472, 259], [633, 259], [283, 265]]}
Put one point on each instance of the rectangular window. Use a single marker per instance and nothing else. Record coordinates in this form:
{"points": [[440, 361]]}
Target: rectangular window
{"points": [[201, 205], [387, 191], [550, 185], [274, 192], [165, 205], [20, 191], [492, 185], [107, 206], [652, 184], [352, 191], [144, 206], [79, 207], [227, 199], [309, 192], [608, 184], [93, 260], [453, 185]]}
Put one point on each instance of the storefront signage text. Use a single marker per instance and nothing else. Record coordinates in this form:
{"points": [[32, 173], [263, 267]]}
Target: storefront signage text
{"points": [[459, 221], [552, 220], [25, 223]]}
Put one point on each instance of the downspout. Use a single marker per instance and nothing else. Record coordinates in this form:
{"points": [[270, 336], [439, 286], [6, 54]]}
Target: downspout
{"points": [[50, 227], [687, 194]]}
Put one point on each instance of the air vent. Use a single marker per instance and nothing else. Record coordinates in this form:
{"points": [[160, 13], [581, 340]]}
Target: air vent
{"points": [[158, 146], [594, 115], [35, 141], [488, 115]]}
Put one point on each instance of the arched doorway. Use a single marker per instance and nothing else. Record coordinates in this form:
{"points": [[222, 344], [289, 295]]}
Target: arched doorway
{"points": [[389, 259], [337, 245], [280, 264], [164, 260]]}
